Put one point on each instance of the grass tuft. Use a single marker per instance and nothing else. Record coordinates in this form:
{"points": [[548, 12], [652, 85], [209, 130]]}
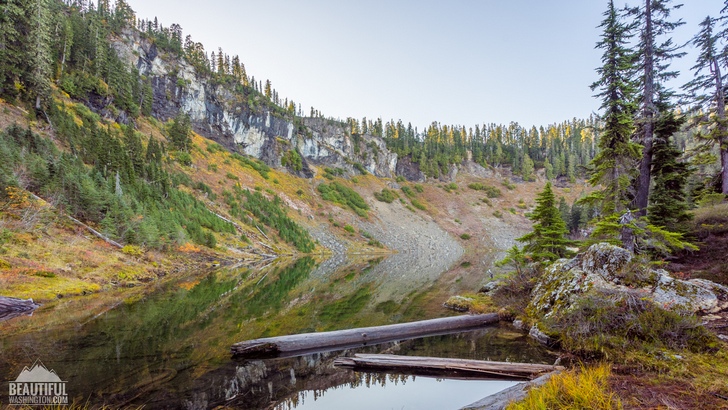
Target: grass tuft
{"points": [[587, 388]]}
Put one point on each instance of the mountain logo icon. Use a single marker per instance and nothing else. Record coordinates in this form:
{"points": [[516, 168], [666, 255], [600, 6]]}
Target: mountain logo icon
{"points": [[38, 373], [37, 386]]}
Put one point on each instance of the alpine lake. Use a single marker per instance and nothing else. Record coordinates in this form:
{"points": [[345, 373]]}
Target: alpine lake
{"points": [[171, 347]]}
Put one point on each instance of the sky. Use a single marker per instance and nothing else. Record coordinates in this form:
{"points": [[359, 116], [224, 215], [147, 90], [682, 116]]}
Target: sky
{"points": [[457, 62]]}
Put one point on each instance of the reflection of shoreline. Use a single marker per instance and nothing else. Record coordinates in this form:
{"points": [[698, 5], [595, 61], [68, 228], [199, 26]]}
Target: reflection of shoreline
{"points": [[258, 383]]}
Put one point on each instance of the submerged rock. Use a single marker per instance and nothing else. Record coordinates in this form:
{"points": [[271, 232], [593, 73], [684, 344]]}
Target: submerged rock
{"points": [[541, 337], [608, 268]]}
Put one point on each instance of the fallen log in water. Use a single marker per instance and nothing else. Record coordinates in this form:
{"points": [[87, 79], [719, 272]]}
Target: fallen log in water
{"points": [[12, 307], [321, 341], [443, 367]]}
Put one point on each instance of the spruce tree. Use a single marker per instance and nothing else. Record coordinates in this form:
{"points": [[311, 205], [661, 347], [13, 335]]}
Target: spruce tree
{"points": [[11, 55], [612, 168], [668, 207], [39, 52], [547, 241], [707, 91], [180, 133], [654, 56]]}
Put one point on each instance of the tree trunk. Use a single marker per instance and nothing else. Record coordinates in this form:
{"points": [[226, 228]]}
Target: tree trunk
{"points": [[648, 116], [294, 345]]}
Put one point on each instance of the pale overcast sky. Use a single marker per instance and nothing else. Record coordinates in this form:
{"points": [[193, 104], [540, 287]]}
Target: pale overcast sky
{"points": [[456, 62]]}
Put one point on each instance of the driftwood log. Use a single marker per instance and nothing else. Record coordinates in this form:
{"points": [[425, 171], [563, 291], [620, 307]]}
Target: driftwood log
{"points": [[443, 367], [12, 307], [300, 344]]}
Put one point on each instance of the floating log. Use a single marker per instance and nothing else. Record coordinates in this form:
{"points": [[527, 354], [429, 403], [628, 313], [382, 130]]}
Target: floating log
{"points": [[300, 344], [12, 307], [443, 367]]}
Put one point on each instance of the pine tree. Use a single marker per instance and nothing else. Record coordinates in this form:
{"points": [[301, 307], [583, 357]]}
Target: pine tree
{"points": [[180, 132], [613, 166], [655, 55], [707, 92], [527, 167], [39, 52], [668, 207], [268, 89], [11, 54], [547, 241]]}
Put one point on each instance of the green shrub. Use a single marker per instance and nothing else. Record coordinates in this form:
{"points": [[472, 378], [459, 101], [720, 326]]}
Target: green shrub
{"points": [[292, 159], [272, 214], [450, 187], [359, 167], [132, 250], [711, 199], [417, 204], [407, 191], [341, 194], [349, 228], [465, 236], [609, 322], [385, 196], [506, 183]]}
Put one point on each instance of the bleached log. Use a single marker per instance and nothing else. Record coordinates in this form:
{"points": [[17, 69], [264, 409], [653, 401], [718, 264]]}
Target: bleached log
{"points": [[339, 339]]}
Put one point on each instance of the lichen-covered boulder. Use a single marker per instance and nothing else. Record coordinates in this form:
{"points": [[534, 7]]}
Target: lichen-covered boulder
{"points": [[607, 268], [605, 260]]}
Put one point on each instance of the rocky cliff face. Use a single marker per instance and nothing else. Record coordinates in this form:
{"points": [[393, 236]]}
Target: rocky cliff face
{"points": [[248, 126]]}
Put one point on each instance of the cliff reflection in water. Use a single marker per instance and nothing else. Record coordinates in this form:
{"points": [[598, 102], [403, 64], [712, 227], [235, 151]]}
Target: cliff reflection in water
{"points": [[171, 349]]}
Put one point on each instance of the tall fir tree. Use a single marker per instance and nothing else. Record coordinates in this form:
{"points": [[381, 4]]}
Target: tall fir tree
{"points": [[706, 91], [39, 51], [668, 207], [613, 167], [547, 241], [11, 56], [655, 51]]}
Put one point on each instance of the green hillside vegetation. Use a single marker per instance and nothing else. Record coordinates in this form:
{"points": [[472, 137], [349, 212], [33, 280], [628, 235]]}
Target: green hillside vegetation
{"points": [[342, 194]]}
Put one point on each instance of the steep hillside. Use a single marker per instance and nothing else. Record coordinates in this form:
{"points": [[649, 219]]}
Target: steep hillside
{"points": [[141, 158]]}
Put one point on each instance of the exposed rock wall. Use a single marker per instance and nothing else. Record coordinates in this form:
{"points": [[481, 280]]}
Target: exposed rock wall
{"points": [[244, 125]]}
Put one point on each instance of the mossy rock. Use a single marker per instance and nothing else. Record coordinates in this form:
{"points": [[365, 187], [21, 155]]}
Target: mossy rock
{"points": [[459, 303]]}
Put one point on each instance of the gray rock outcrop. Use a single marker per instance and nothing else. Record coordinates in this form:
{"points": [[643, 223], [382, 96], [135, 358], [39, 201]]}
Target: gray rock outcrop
{"points": [[608, 268], [248, 123]]}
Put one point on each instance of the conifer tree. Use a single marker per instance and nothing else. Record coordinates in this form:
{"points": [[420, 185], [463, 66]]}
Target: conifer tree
{"points": [[547, 241], [39, 52], [654, 59], [268, 89], [527, 167], [668, 207], [707, 91], [11, 38], [180, 132], [613, 166]]}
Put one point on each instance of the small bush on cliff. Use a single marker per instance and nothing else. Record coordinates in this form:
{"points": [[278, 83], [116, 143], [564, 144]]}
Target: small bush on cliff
{"points": [[341, 194], [385, 196]]}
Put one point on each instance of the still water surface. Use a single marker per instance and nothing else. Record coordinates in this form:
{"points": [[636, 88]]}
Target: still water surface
{"points": [[171, 348]]}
